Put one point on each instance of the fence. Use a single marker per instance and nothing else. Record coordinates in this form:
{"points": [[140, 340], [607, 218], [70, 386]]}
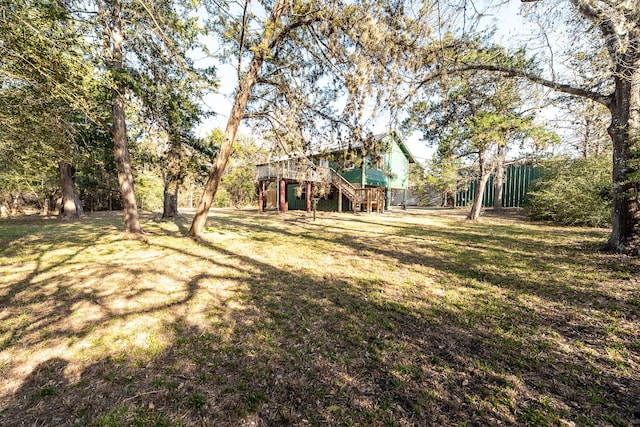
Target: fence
{"points": [[518, 180]]}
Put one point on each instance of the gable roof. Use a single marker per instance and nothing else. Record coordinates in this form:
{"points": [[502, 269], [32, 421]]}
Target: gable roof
{"points": [[405, 149], [335, 147], [332, 148]]}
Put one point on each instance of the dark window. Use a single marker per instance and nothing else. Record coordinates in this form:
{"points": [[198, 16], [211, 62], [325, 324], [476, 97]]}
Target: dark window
{"points": [[301, 193]]}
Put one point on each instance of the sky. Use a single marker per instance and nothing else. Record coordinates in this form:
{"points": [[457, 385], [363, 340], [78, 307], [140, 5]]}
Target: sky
{"points": [[508, 21]]}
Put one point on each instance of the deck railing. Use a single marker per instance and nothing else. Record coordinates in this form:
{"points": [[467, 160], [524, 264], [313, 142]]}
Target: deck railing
{"points": [[292, 170], [371, 198]]}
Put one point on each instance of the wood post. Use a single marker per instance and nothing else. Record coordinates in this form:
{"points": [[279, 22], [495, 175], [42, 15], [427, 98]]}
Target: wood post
{"points": [[339, 199], [260, 196], [283, 193], [308, 197]]}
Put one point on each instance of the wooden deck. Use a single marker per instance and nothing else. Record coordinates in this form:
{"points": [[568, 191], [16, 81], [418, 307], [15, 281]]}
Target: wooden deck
{"points": [[292, 170], [368, 199]]}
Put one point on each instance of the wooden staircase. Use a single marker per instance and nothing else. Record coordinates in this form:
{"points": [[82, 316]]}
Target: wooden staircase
{"points": [[372, 198]]}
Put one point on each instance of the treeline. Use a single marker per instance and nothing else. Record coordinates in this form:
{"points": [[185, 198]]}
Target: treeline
{"points": [[104, 95]]}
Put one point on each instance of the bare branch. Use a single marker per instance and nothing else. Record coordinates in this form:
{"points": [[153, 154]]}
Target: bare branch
{"points": [[605, 100]]}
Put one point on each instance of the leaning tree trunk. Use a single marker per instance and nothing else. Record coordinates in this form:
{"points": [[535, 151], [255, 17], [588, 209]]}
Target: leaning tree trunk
{"points": [[625, 134], [476, 206], [499, 178], [118, 129], [70, 200], [237, 112]]}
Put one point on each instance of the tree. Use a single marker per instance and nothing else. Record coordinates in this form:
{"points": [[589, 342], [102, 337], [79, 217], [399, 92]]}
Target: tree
{"points": [[476, 116], [169, 112], [113, 36], [617, 87], [65, 50], [238, 180], [270, 37], [590, 127], [442, 174], [72, 208], [418, 184], [170, 92], [307, 55], [42, 85]]}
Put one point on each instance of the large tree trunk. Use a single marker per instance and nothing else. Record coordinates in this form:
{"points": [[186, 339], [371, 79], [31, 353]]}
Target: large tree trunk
{"points": [[625, 134], [170, 208], [237, 112], [70, 202], [499, 178], [172, 176], [118, 129], [445, 199], [476, 206]]}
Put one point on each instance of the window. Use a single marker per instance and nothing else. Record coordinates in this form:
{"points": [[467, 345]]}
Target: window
{"points": [[380, 163], [348, 166], [301, 192]]}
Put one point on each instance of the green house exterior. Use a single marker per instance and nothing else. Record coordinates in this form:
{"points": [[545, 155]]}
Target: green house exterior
{"points": [[389, 171], [394, 173]]}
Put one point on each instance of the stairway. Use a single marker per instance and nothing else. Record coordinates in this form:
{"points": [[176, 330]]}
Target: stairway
{"points": [[345, 186], [359, 196]]}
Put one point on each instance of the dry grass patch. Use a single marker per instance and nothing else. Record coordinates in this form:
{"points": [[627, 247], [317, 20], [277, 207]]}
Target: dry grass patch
{"points": [[415, 318]]}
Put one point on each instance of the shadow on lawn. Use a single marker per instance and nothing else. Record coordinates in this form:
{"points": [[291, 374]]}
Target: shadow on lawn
{"points": [[298, 348], [475, 248]]}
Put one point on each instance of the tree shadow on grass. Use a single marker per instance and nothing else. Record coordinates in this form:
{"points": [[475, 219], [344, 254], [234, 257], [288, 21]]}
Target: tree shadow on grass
{"points": [[297, 347], [474, 248]]}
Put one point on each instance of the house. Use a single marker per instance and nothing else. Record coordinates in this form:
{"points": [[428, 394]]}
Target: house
{"points": [[353, 180]]}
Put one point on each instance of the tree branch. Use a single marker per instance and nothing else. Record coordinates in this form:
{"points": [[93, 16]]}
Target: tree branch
{"points": [[603, 21], [605, 100]]}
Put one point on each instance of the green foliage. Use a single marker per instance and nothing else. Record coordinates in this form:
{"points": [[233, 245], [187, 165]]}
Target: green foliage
{"points": [[55, 85], [149, 191], [418, 183], [573, 192], [222, 199], [442, 173], [238, 187]]}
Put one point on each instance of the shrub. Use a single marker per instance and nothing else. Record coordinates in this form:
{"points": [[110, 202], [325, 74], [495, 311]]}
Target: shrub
{"points": [[149, 191], [573, 192]]}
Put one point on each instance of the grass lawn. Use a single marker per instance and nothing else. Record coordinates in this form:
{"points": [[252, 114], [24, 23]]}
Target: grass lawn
{"points": [[401, 319]]}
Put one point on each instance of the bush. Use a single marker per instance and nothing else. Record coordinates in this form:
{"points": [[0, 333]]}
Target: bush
{"points": [[573, 192], [149, 192]]}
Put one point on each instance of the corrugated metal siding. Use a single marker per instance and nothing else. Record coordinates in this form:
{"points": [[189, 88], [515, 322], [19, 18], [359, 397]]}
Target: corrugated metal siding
{"points": [[354, 176], [375, 177], [518, 180]]}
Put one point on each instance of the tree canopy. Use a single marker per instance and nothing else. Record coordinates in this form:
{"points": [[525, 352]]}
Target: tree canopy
{"points": [[307, 72]]}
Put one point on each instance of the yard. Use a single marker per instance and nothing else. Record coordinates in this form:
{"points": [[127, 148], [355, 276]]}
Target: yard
{"points": [[406, 318]]}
